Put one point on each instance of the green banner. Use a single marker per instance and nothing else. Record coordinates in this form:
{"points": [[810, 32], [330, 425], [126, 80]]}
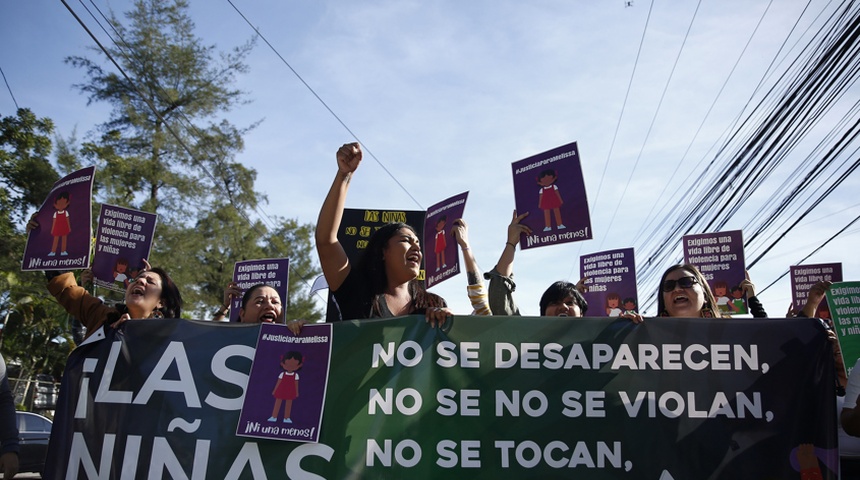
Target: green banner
{"points": [[843, 299], [486, 397]]}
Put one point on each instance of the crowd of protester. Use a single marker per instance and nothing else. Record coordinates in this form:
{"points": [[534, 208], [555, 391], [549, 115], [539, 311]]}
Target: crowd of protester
{"points": [[384, 282]]}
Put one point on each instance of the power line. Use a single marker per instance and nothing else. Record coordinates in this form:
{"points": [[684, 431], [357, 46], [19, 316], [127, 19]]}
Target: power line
{"points": [[618, 123], [179, 112], [831, 66], [10, 90], [623, 105], [816, 250], [653, 121], [698, 166], [365, 148], [166, 124], [189, 124]]}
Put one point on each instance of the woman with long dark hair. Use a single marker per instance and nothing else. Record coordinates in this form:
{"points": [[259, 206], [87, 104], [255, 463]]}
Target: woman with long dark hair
{"points": [[684, 292], [151, 294], [384, 282]]}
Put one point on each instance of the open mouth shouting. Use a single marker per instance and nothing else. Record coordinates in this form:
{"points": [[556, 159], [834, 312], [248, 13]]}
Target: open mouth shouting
{"points": [[414, 258], [263, 305], [681, 300], [143, 295], [683, 304]]}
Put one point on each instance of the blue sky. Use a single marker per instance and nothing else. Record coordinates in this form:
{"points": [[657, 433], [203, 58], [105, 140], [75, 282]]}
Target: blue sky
{"points": [[448, 94]]}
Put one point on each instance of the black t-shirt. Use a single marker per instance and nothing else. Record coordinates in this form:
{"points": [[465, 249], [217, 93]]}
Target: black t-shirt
{"points": [[353, 300]]}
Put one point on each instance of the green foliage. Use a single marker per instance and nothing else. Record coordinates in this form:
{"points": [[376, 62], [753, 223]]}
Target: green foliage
{"points": [[163, 141], [31, 319], [25, 170], [179, 163], [298, 239], [165, 150], [36, 331], [234, 240]]}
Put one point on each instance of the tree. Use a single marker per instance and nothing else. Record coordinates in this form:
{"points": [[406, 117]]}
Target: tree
{"points": [[34, 329], [290, 236], [25, 169], [165, 149]]}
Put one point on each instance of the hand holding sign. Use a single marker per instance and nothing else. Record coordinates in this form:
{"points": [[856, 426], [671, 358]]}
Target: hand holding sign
{"points": [[87, 277], [516, 229], [816, 295], [33, 224]]}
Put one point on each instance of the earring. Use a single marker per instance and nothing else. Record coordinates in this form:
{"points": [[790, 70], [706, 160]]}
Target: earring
{"points": [[156, 314]]}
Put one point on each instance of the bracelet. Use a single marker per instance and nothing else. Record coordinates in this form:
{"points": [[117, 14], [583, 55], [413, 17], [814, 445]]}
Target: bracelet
{"points": [[512, 245], [464, 248]]}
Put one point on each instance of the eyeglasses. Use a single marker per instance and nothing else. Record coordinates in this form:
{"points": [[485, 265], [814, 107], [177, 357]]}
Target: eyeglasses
{"points": [[683, 282]]}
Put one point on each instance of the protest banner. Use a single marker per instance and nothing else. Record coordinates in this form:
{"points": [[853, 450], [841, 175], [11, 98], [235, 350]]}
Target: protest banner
{"points": [[483, 398], [610, 277], [356, 227], [803, 277], [62, 241], [843, 299], [123, 241], [720, 258], [274, 272], [550, 188], [441, 255]]}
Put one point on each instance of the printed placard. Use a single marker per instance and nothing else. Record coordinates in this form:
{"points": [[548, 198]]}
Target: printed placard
{"points": [[550, 188], [843, 298], [274, 272], [720, 258], [441, 256], [610, 277], [123, 240], [287, 385], [803, 277], [62, 241]]}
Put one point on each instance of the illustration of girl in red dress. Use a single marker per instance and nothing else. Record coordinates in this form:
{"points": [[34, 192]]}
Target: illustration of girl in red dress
{"points": [[287, 387], [61, 226], [550, 199], [440, 244]]}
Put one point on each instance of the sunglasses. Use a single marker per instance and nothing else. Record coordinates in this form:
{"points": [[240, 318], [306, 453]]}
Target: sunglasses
{"points": [[683, 282]]}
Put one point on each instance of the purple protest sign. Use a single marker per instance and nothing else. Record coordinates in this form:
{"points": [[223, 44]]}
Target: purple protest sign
{"points": [[803, 277], [287, 385], [720, 258], [441, 258], [550, 188], [62, 241], [274, 272], [610, 277], [123, 240]]}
